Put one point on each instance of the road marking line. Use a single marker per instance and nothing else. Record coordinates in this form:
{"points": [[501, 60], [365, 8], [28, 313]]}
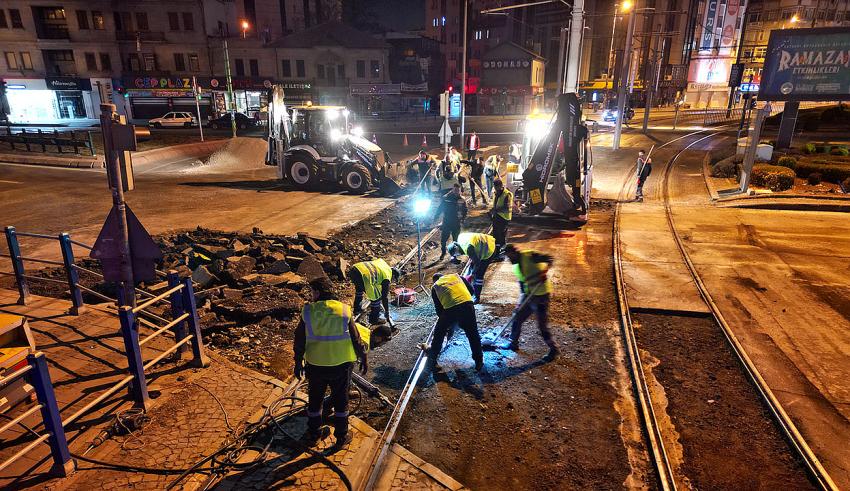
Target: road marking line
{"points": [[10, 182]]}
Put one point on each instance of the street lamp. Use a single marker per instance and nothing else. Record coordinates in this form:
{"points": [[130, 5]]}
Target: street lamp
{"points": [[245, 26]]}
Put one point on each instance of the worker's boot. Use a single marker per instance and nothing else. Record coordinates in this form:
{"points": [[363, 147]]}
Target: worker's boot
{"points": [[552, 355]]}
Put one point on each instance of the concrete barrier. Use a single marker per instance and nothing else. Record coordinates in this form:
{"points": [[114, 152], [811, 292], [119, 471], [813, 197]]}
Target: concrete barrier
{"points": [[53, 161]]}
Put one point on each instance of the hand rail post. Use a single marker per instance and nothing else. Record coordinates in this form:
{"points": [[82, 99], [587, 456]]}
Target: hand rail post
{"points": [[177, 310], [17, 265], [73, 276], [63, 464], [201, 360], [130, 333]]}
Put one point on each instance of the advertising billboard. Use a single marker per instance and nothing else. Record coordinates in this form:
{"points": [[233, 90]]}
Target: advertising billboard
{"points": [[807, 65]]}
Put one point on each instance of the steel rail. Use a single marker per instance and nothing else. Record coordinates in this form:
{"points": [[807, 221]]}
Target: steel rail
{"points": [[14, 375], [157, 298], [21, 417], [36, 236], [11, 460], [786, 424], [115, 388]]}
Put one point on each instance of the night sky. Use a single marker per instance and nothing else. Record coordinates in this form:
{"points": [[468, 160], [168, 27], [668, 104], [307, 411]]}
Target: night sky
{"points": [[400, 15]]}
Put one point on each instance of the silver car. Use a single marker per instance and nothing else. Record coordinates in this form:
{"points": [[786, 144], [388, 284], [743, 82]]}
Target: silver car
{"points": [[174, 119]]}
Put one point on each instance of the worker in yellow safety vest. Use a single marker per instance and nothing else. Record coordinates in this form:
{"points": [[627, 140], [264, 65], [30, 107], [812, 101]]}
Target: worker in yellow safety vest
{"points": [[501, 213], [452, 296], [372, 279], [531, 269], [480, 249], [328, 340]]}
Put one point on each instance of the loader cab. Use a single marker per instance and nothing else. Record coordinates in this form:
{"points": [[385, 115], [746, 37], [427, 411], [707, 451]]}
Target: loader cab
{"points": [[321, 127], [535, 128]]}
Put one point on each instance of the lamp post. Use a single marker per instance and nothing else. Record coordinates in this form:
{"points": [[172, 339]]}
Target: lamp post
{"points": [[463, 75], [626, 68], [610, 77], [230, 89], [421, 206]]}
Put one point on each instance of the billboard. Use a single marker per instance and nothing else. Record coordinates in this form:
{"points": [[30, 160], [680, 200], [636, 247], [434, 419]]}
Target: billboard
{"points": [[807, 65]]}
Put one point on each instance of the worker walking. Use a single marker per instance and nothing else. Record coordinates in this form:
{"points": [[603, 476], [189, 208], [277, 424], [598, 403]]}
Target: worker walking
{"points": [[480, 249], [644, 168], [491, 172], [328, 340], [531, 269], [452, 296], [453, 210], [501, 213], [372, 279]]}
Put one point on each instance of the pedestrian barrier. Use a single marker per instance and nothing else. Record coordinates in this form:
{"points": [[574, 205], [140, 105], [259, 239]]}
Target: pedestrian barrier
{"points": [[32, 141]]}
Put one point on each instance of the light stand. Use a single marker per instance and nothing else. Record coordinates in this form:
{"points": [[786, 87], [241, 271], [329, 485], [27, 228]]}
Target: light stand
{"points": [[420, 208]]}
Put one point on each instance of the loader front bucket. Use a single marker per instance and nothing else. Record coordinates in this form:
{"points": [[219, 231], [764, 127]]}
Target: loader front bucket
{"points": [[389, 187]]}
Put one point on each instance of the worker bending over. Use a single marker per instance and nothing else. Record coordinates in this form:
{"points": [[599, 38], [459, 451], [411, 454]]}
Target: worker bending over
{"points": [[480, 249], [452, 296], [501, 213], [326, 337], [372, 279], [531, 269]]}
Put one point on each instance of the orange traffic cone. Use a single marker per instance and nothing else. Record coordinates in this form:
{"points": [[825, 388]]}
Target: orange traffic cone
{"points": [[424, 141], [404, 141], [374, 138]]}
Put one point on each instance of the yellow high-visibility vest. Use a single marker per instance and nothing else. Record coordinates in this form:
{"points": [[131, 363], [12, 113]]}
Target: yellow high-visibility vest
{"points": [[374, 273], [328, 340], [451, 290], [533, 274], [501, 200], [484, 245]]}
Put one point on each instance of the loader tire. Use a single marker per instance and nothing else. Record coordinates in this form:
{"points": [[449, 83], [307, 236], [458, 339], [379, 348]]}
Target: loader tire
{"points": [[357, 179], [303, 172]]}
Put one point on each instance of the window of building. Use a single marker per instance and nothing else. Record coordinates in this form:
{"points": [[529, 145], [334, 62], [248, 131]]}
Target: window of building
{"points": [[240, 67], [179, 62], [320, 71], [770, 15], [11, 60], [150, 62], [194, 62], [15, 18], [119, 25], [82, 19], [255, 67], [97, 19], [135, 64], [54, 13], [91, 62], [188, 21], [755, 16], [26, 60], [299, 68], [286, 68], [173, 21], [361, 68], [142, 21], [375, 69], [3, 23], [340, 71], [105, 62]]}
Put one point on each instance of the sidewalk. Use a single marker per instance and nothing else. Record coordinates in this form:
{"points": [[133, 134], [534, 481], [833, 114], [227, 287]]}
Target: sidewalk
{"points": [[192, 415]]}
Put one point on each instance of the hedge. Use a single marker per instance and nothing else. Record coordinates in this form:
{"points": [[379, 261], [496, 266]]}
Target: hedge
{"points": [[789, 162], [728, 167], [773, 177], [810, 148], [831, 172]]}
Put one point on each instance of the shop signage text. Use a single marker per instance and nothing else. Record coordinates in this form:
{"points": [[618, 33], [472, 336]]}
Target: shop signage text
{"points": [[67, 83], [375, 89], [502, 64]]}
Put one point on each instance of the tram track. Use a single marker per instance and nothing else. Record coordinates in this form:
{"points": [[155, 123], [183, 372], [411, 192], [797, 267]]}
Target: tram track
{"points": [[642, 347]]}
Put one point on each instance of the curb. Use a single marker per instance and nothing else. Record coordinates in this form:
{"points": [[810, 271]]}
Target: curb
{"points": [[49, 161], [198, 149]]}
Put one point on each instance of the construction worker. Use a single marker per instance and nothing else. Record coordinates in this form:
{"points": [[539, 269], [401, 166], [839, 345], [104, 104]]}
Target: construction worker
{"points": [[453, 209], [491, 171], [372, 279], [424, 163], [452, 296], [453, 158], [480, 249], [328, 340], [644, 168], [448, 175], [501, 213], [476, 169], [531, 269]]}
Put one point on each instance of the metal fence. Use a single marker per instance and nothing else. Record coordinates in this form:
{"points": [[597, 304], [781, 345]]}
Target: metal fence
{"points": [[40, 141]]}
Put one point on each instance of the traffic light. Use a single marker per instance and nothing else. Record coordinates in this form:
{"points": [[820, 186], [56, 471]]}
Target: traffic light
{"points": [[123, 92], [450, 89]]}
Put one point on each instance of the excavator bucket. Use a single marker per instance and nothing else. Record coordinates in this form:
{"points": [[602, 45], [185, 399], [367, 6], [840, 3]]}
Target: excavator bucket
{"points": [[388, 187]]}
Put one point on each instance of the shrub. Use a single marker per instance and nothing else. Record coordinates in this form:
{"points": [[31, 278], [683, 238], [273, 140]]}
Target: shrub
{"points": [[809, 148], [814, 178], [789, 162], [728, 167], [773, 177], [840, 151], [829, 171]]}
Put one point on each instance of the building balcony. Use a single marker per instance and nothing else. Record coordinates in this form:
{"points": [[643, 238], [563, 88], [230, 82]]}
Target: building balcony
{"points": [[144, 36], [52, 32]]}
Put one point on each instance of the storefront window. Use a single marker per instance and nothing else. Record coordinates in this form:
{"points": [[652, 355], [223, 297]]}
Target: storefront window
{"points": [[70, 104]]}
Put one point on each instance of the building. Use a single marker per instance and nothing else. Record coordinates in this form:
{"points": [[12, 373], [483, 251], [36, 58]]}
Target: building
{"points": [[512, 80], [343, 65], [415, 63]]}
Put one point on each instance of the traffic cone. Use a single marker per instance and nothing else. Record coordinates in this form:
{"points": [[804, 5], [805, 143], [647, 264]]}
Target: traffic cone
{"points": [[404, 141], [374, 138], [424, 141]]}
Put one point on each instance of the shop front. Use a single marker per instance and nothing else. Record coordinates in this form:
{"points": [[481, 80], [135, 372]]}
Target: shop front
{"points": [[52, 100], [153, 97], [522, 99], [512, 81], [374, 99]]}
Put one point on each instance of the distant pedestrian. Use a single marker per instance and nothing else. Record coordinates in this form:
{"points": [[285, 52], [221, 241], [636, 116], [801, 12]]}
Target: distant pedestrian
{"points": [[491, 171], [501, 213], [452, 296], [473, 147], [328, 340], [644, 168], [531, 269], [453, 210]]}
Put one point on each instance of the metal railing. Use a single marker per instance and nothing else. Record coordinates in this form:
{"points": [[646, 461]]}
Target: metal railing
{"points": [[32, 141]]}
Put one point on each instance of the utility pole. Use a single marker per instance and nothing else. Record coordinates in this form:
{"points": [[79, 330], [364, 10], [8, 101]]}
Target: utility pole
{"points": [[621, 89], [197, 93], [610, 65], [574, 60], [229, 89], [562, 58], [463, 75], [652, 88]]}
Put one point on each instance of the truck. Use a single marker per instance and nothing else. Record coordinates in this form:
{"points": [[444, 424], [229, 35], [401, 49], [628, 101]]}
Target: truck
{"points": [[316, 147], [554, 172]]}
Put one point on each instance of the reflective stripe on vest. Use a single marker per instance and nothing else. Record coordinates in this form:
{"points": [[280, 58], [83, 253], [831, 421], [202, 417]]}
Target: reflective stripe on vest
{"points": [[374, 273], [328, 340], [533, 274], [505, 197], [451, 291], [484, 245]]}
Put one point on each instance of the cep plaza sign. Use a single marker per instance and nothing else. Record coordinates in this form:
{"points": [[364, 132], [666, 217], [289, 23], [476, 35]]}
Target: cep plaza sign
{"points": [[807, 65]]}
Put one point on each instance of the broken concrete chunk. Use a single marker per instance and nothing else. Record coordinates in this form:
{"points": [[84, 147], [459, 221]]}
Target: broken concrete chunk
{"points": [[277, 267], [310, 268], [203, 277], [236, 267], [312, 245], [231, 293]]}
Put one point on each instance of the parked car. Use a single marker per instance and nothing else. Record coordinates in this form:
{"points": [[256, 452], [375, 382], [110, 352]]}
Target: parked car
{"points": [[242, 122], [174, 119]]}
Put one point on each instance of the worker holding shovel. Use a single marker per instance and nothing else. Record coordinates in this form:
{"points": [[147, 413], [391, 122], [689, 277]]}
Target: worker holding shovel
{"points": [[480, 249], [531, 269]]}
